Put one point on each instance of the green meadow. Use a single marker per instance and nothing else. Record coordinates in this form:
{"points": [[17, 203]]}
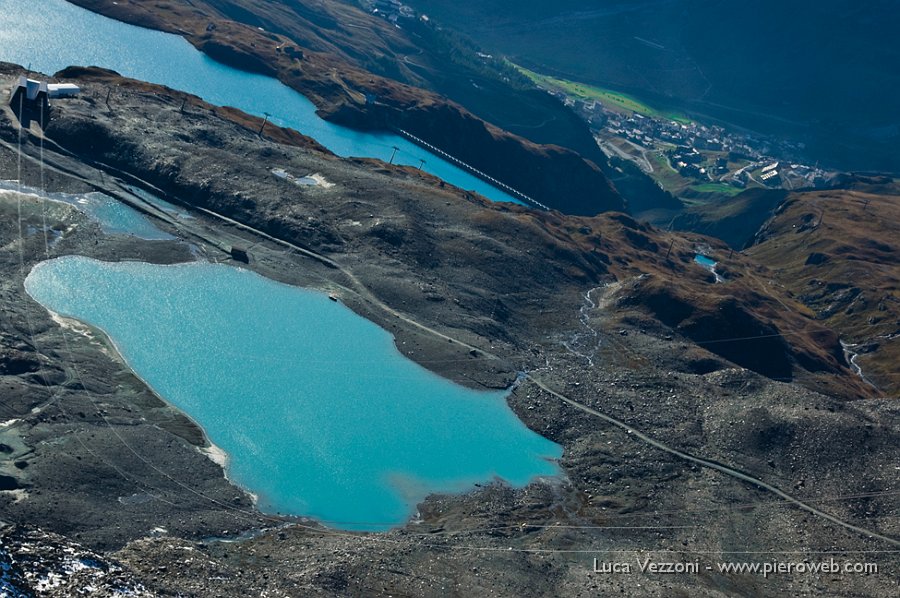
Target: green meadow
{"points": [[613, 100]]}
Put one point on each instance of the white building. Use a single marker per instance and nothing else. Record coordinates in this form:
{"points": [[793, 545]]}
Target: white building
{"points": [[30, 99], [63, 90], [34, 90]]}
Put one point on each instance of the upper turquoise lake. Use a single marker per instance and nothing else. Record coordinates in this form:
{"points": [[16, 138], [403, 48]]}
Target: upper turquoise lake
{"points": [[49, 35], [318, 411]]}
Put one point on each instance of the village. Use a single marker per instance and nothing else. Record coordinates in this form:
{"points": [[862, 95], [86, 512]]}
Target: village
{"points": [[686, 155], [390, 10]]}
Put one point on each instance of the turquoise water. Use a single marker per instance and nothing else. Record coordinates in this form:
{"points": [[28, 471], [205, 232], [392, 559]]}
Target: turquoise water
{"points": [[113, 216], [709, 264], [320, 414], [705, 261], [50, 35]]}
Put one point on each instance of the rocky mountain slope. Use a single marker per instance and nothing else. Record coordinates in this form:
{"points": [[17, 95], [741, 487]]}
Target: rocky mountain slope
{"points": [[673, 288], [837, 252], [37, 563], [605, 315]]}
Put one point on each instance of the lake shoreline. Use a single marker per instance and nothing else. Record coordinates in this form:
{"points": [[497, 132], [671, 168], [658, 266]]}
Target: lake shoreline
{"points": [[506, 280], [458, 435]]}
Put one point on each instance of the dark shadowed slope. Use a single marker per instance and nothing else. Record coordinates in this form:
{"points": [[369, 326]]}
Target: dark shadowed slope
{"points": [[822, 72]]}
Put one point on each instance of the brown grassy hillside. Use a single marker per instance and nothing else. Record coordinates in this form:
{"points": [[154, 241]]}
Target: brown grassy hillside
{"points": [[837, 251], [316, 56]]}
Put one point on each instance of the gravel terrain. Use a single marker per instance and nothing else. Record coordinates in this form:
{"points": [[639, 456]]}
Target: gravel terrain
{"points": [[92, 460]]}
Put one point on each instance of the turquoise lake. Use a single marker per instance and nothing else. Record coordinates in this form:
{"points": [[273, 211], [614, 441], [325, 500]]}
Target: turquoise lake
{"points": [[113, 216], [318, 411], [49, 35], [705, 261]]}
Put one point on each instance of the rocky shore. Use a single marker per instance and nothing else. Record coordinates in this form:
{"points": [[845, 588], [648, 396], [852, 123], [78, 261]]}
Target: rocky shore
{"points": [[99, 463], [347, 94]]}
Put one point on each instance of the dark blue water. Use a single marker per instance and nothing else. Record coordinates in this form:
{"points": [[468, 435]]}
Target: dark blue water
{"points": [[50, 35], [317, 410]]}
